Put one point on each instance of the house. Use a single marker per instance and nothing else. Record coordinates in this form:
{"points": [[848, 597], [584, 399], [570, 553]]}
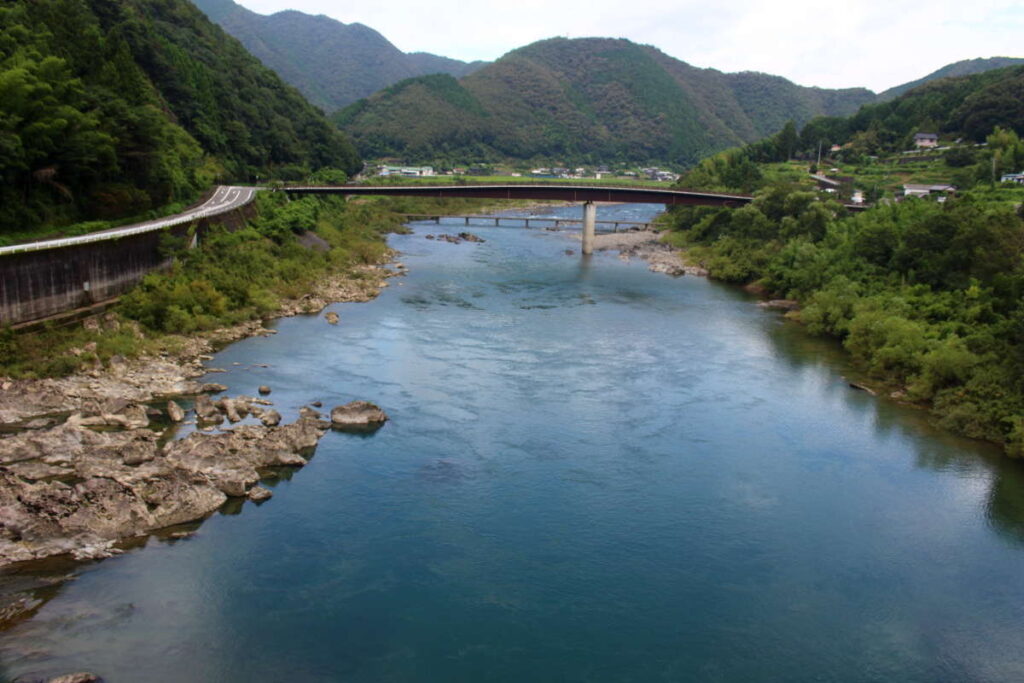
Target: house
{"points": [[922, 140], [1012, 178], [939, 191], [407, 171]]}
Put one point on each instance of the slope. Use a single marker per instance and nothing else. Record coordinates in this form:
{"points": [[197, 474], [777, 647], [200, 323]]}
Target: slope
{"points": [[331, 63], [591, 99], [965, 67], [110, 109]]}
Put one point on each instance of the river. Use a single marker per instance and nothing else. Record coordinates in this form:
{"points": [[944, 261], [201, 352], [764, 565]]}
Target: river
{"points": [[592, 473]]}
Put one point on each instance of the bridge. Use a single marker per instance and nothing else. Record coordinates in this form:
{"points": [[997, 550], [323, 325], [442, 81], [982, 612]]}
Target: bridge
{"points": [[588, 195]]}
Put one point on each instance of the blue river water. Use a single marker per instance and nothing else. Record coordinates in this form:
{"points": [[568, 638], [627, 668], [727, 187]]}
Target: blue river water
{"points": [[592, 473]]}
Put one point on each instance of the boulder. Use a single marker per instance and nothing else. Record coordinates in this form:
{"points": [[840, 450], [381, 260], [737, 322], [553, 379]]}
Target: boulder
{"points": [[332, 317], [206, 411], [780, 304], [306, 411], [78, 677], [263, 389], [174, 411], [258, 494], [213, 388], [270, 418], [358, 415]]}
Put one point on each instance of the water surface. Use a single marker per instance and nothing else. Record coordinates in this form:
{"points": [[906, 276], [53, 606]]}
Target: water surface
{"points": [[592, 473]]}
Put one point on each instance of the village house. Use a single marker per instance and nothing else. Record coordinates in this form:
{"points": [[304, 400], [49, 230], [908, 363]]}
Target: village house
{"points": [[922, 140], [1012, 178], [407, 171], [939, 191]]}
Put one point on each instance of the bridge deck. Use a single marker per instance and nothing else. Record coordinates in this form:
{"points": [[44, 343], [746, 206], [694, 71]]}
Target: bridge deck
{"points": [[557, 192]]}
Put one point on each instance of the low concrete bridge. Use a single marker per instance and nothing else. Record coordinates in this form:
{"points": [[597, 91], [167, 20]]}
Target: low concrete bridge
{"points": [[526, 221], [587, 194]]}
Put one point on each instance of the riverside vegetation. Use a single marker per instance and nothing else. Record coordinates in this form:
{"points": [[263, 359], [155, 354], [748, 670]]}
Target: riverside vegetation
{"points": [[928, 297]]}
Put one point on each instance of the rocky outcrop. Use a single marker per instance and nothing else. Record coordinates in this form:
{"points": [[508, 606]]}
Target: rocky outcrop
{"points": [[71, 489], [358, 416], [781, 304]]}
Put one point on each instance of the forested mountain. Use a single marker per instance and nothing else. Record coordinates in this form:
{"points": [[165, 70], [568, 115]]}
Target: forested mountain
{"points": [[967, 106], [966, 67], [584, 99], [331, 63], [110, 108]]}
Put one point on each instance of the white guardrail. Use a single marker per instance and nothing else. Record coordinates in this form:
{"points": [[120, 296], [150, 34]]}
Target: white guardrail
{"points": [[138, 229]]}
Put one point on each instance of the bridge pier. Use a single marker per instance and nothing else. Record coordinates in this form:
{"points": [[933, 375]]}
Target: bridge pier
{"points": [[589, 227]]}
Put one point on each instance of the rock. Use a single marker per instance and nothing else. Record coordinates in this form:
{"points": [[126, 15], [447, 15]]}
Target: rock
{"points": [[263, 389], [230, 408], [358, 415], [672, 269], [430, 237], [213, 388], [306, 411], [569, 252], [317, 404], [90, 347], [780, 304], [256, 411], [79, 677], [271, 418], [470, 237], [91, 324], [216, 370], [206, 411], [258, 494], [332, 317], [862, 387], [174, 411]]}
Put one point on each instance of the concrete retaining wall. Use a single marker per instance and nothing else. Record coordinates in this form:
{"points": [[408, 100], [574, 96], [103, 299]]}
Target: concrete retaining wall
{"points": [[40, 284]]}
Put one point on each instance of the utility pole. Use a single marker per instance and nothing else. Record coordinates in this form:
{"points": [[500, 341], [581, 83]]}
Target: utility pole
{"points": [[819, 156]]}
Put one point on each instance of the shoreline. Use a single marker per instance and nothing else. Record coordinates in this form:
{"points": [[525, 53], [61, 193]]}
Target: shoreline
{"points": [[88, 462]]}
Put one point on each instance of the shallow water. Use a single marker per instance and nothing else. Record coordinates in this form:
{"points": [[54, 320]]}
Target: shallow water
{"points": [[592, 472]]}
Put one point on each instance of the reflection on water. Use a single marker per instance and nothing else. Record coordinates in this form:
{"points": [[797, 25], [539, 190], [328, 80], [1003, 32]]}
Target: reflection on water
{"points": [[592, 472]]}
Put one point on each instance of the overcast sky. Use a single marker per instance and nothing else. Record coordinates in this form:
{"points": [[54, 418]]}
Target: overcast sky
{"points": [[828, 43]]}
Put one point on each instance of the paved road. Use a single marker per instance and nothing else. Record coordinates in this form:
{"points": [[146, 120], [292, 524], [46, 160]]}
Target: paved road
{"points": [[225, 198]]}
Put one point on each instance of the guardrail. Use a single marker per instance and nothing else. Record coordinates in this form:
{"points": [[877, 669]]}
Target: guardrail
{"points": [[128, 231]]}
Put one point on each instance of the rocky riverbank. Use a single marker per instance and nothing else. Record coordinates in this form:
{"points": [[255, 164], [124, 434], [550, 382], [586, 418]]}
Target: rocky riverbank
{"points": [[87, 461], [647, 245]]}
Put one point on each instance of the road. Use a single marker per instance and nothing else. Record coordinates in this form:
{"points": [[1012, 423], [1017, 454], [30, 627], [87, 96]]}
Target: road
{"points": [[225, 198]]}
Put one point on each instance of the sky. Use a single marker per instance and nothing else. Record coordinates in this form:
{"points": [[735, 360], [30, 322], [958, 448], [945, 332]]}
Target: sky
{"points": [[828, 43]]}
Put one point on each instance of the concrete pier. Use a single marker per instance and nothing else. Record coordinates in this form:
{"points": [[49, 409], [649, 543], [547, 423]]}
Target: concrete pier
{"points": [[589, 227]]}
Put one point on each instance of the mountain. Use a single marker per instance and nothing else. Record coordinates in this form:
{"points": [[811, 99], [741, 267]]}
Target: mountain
{"points": [[331, 63], [584, 99], [966, 67], [113, 108], [965, 106]]}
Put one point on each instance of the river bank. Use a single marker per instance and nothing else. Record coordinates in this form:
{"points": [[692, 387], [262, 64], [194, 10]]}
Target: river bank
{"points": [[88, 461]]}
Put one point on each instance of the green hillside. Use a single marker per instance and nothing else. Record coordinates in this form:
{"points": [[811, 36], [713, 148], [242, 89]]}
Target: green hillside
{"points": [[967, 107], [109, 109], [331, 63], [591, 99], [966, 67]]}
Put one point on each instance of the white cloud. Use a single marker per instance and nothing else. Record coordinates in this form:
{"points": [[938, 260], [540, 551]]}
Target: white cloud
{"points": [[834, 44]]}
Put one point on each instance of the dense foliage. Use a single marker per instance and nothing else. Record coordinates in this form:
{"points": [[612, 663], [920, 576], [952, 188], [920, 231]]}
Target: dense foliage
{"points": [[587, 100], [114, 108], [968, 107], [964, 67], [331, 63], [927, 297]]}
